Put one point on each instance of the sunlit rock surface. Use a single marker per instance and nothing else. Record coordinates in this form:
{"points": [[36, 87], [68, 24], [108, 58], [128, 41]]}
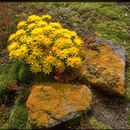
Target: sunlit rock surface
{"points": [[105, 66], [52, 103]]}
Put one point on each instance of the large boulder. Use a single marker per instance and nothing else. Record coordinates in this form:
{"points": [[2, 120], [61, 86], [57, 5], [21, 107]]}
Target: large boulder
{"points": [[104, 66], [53, 103]]}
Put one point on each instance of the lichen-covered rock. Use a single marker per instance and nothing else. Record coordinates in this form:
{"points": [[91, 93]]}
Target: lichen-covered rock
{"points": [[104, 66], [52, 103]]}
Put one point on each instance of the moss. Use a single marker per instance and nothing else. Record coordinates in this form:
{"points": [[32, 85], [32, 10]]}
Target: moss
{"points": [[107, 30], [127, 94], [22, 97], [98, 124], [20, 72], [5, 126], [4, 114], [19, 114], [28, 126], [18, 117], [5, 75]]}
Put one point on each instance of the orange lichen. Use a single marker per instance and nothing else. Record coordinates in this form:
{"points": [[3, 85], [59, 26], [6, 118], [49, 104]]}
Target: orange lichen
{"points": [[104, 69], [51, 102]]}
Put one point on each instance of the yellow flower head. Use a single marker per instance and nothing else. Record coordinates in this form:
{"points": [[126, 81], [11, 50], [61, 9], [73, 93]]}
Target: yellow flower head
{"points": [[36, 52], [37, 31], [12, 54], [59, 65], [21, 24], [63, 42], [46, 41], [31, 59], [23, 50], [72, 33], [47, 68], [47, 29], [23, 38], [74, 62], [78, 41], [46, 17], [13, 46], [20, 32], [12, 36], [50, 59], [36, 67], [16, 53], [73, 50], [54, 49], [41, 23], [55, 25], [33, 18], [31, 26], [62, 54]]}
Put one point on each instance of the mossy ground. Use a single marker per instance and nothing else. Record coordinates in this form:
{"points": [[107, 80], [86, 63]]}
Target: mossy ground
{"points": [[106, 20], [18, 112], [98, 125]]}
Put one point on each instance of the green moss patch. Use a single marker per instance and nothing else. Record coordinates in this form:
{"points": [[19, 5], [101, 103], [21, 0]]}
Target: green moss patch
{"points": [[5, 76], [98, 124], [18, 117], [19, 114], [4, 114]]}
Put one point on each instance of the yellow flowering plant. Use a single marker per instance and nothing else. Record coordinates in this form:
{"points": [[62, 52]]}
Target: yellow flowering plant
{"points": [[46, 46]]}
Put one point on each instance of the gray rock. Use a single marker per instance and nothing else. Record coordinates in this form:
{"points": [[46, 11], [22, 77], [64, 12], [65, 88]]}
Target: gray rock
{"points": [[118, 49]]}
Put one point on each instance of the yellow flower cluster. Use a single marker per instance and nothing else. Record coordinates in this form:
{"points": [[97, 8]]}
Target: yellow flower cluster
{"points": [[45, 45]]}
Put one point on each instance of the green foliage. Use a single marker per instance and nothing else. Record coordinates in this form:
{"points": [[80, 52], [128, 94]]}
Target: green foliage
{"points": [[5, 76], [28, 126], [3, 87], [21, 72], [108, 31], [18, 117], [23, 95], [127, 94], [98, 125], [5, 126], [4, 114]]}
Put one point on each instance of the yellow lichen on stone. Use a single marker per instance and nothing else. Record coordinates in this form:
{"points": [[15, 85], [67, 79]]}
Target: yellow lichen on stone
{"points": [[48, 103], [104, 69]]}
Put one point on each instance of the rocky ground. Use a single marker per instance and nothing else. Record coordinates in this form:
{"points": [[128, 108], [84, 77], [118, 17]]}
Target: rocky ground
{"points": [[111, 111]]}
